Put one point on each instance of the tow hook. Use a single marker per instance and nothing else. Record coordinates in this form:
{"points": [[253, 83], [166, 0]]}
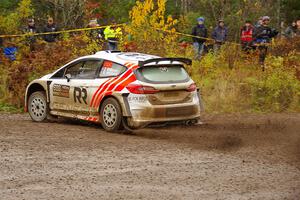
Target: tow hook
{"points": [[191, 122]]}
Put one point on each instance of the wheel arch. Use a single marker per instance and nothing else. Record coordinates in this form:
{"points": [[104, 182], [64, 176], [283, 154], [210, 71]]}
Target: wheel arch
{"points": [[121, 99], [33, 87], [107, 97]]}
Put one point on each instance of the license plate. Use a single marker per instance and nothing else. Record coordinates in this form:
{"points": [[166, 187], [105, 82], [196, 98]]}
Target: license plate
{"points": [[171, 94]]}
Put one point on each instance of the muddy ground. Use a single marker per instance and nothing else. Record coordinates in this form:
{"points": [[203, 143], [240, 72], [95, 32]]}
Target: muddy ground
{"points": [[230, 157]]}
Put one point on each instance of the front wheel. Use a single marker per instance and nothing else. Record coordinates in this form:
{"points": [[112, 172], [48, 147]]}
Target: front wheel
{"points": [[38, 107], [111, 115]]}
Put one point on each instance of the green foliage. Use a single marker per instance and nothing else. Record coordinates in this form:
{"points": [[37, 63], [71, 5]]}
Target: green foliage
{"points": [[291, 9], [8, 5], [277, 90], [12, 21], [119, 11], [9, 108]]}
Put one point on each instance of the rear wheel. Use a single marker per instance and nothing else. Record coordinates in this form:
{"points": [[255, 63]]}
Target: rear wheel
{"points": [[111, 115], [38, 107]]}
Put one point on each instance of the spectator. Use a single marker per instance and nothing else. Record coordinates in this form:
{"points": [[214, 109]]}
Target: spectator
{"points": [[1, 45], [30, 29], [298, 28], [95, 33], [259, 22], [50, 27], [1, 39], [247, 36], [263, 35], [199, 31], [111, 36], [219, 35], [291, 31]]}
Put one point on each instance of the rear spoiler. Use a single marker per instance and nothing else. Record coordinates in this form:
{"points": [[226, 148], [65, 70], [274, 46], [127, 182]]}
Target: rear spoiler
{"points": [[171, 60]]}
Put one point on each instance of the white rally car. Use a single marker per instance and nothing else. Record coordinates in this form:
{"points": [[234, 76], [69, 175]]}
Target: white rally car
{"points": [[116, 89]]}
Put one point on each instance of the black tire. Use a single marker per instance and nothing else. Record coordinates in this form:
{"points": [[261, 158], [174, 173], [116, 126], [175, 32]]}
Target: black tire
{"points": [[37, 106], [111, 115]]}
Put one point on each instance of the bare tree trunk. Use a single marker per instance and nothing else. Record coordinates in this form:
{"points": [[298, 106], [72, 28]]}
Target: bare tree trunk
{"points": [[184, 6], [213, 10], [222, 9], [279, 14]]}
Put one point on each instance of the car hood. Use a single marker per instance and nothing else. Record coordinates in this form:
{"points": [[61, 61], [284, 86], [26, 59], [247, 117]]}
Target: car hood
{"points": [[46, 76]]}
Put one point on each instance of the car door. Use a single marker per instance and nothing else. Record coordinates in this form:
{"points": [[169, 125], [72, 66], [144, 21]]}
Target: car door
{"points": [[60, 93], [73, 94], [83, 83], [86, 86]]}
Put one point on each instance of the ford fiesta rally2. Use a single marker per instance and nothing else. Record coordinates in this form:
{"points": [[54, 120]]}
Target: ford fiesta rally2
{"points": [[116, 89]]}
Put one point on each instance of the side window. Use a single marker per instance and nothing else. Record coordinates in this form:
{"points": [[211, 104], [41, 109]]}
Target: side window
{"points": [[89, 69], [110, 69], [59, 74], [74, 70], [84, 70]]}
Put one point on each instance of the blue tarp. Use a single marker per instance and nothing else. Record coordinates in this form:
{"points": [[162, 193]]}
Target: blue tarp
{"points": [[10, 53]]}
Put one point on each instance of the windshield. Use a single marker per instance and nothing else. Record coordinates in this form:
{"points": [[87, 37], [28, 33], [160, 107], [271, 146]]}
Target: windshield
{"points": [[163, 74]]}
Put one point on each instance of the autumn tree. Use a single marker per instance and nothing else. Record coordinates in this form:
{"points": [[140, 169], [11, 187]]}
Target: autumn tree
{"points": [[148, 26], [13, 20]]}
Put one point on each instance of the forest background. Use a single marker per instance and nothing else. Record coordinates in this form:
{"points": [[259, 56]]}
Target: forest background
{"points": [[230, 81]]}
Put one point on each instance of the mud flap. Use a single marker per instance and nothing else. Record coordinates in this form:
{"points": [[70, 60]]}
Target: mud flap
{"points": [[125, 125], [126, 110], [202, 109]]}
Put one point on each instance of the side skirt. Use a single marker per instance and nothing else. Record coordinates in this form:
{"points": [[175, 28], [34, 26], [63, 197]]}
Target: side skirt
{"points": [[75, 115]]}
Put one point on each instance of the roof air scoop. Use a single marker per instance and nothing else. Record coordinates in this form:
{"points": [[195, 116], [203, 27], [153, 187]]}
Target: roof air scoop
{"points": [[107, 51]]}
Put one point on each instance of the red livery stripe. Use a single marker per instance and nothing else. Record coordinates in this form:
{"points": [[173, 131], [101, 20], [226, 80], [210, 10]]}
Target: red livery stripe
{"points": [[100, 87], [99, 97], [114, 84], [128, 81]]}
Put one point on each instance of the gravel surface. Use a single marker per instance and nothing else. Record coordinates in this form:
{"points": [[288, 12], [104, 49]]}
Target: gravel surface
{"points": [[229, 157]]}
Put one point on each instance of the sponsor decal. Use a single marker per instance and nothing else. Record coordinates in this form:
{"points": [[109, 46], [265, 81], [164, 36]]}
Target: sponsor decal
{"points": [[137, 99], [164, 69], [80, 94], [107, 64], [135, 56], [91, 119], [61, 91]]}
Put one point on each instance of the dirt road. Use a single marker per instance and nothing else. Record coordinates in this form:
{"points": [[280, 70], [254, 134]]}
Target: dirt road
{"points": [[230, 157]]}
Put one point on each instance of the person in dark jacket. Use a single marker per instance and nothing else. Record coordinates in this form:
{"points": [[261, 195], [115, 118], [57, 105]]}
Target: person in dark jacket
{"points": [[95, 34], [50, 27], [291, 31], [258, 23], [1, 45], [298, 28], [247, 36], [199, 31], [219, 35], [263, 36], [30, 29]]}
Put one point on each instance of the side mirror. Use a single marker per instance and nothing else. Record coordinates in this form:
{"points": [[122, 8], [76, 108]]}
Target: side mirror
{"points": [[68, 77]]}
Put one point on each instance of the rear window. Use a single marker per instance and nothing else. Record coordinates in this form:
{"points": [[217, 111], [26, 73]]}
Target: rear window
{"points": [[163, 74]]}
